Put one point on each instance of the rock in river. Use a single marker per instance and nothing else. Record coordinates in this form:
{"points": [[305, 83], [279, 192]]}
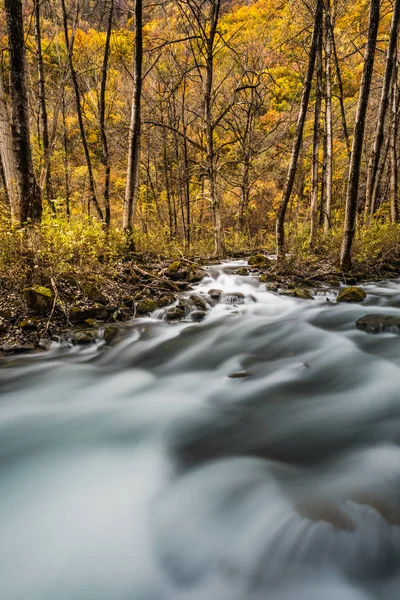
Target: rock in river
{"points": [[379, 324], [351, 294]]}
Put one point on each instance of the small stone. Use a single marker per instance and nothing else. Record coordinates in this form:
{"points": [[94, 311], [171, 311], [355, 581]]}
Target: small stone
{"points": [[92, 291], [258, 260], [28, 325], [351, 294], [198, 302], [80, 315], [379, 324], [86, 336], [232, 298], [175, 314], [238, 375], [198, 315], [146, 306], [243, 272], [110, 334], [215, 294], [17, 348]]}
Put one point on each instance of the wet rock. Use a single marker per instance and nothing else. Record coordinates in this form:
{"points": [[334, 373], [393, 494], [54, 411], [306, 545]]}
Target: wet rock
{"points": [[198, 315], [28, 325], [297, 293], [243, 272], [379, 324], [232, 298], [80, 315], [351, 294], [198, 302], [272, 287], [175, 314], [110, 334], [215, 294], [238, 375], [266, 278], [165, 300], [39, 299], [85, 336], [182, 270], [146, 306], [92, 291], [258, 260], [17, 348]]}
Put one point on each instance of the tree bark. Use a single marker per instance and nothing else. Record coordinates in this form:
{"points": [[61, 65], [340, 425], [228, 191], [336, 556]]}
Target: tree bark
{"points": [[102, 118], [371, 192], [280, 221], [135, 130], [341, 94], [358, 138], [75, 85], [48, 188], [316, 145], [328, 101], [394, 126], [30, 200], [8, 158]]}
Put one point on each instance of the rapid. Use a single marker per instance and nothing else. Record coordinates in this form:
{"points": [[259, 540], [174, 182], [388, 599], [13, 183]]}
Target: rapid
{"points": [[144, 472]]}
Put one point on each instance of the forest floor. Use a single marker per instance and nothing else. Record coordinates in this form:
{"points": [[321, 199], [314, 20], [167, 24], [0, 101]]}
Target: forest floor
{"points": [[76, 308]]}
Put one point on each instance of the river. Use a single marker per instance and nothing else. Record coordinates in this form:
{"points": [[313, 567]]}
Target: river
{"points": [[144, 472]]}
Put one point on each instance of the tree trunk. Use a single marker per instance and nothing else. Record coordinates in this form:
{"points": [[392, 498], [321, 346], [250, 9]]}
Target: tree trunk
{"points": [[8, 158], [66, 157], [75, 85], [102, 116], [358, 138], [133, 171], [341, 94], [316, 144], [328, 101], [280, 221], [48, 188], [30, 201], [394, 126], [371, 193]]}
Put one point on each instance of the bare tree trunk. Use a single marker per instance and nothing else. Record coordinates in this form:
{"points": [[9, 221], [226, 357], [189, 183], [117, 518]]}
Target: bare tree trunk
{"points": [[66, 157], [30, 200], [102, 117], [358, 138], [75, 85], [8, 158], [280, 221], [48, 188], [328, 100], [383, 106], [133, 171], [316, 144], [394, 126], [341, 94]]}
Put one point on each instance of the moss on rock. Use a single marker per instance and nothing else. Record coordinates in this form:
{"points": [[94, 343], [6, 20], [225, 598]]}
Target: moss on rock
{"points": [[258, 260], [145, 306], [39, 299], [351, 294]]}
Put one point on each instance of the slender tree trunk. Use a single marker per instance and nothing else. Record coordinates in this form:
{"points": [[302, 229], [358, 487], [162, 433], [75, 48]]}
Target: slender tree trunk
{"points": [[102, 117], [75, 85], [328, 101], [133, 171], [7, 157], [48, 188], [209, 130], [341, 94], [280, 221], [66, 157], [394, 126], [316, 144], [30, 200], [358, 138], [383, 106]]}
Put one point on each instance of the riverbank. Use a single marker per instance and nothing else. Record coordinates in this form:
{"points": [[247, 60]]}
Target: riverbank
{"points": [[82, 307]]}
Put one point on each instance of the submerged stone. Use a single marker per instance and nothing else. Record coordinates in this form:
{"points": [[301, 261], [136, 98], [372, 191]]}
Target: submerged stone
{"points": [[215, 294], [379, 324], [351, 294], [198, 315], [238, 375]]}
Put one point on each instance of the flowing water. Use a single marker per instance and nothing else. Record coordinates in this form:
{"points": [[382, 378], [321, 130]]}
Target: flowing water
{"points": [[145, 473]]}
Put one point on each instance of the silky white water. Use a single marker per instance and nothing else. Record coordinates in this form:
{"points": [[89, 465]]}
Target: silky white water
{"points": [[143, 472]]}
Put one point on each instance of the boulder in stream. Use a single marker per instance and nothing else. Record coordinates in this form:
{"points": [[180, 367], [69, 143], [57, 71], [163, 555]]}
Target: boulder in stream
{"points": [[351, 294], [379, 324]]}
